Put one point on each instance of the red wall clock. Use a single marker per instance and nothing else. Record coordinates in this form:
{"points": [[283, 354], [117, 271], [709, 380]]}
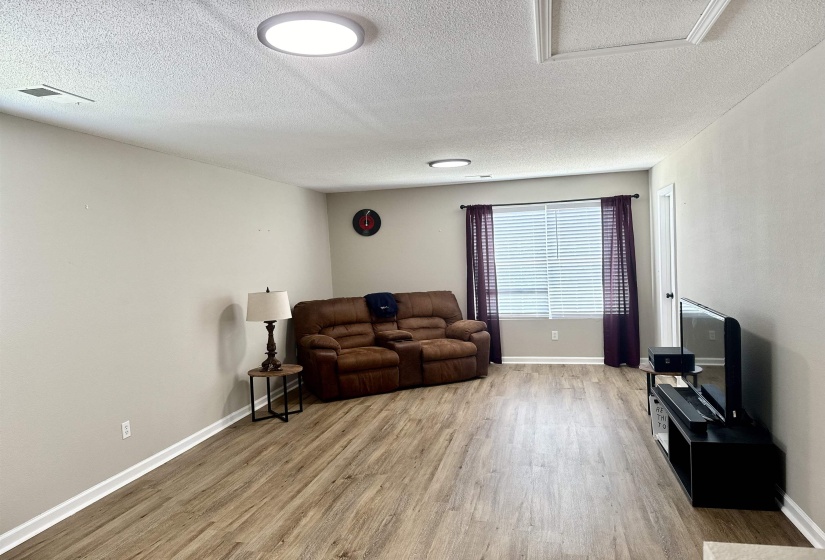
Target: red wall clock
{"points": [[366, 222]]}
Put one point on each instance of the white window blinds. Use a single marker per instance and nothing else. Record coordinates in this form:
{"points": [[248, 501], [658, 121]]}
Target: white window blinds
{"points": [[549, 260]]}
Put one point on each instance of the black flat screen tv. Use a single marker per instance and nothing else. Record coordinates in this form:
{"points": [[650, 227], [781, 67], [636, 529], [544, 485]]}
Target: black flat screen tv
{"points": [[716, 342]]}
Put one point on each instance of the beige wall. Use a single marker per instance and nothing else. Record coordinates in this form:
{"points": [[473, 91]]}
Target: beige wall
{"points": [[750, 201], [133, 308], [421, 247]]}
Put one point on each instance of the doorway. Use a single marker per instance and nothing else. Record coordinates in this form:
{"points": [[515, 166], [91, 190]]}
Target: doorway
{"points": [[666, 295]]}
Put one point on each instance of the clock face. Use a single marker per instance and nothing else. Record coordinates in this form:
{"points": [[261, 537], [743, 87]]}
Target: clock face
{"points": [[366, 222]]}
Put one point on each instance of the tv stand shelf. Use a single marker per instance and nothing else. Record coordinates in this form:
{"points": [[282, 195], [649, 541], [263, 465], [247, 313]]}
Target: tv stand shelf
{"points": [[724, 467]]}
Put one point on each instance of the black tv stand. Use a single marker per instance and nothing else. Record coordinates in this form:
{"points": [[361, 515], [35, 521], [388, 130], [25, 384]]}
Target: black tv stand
{"points": [[721, 466]]}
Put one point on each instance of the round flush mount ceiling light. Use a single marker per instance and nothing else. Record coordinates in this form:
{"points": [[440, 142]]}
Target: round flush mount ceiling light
{"points": [[311, 34], [449, 163]]}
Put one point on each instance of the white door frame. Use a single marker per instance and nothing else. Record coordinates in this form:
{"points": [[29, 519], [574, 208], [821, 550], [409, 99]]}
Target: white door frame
{"points": [[666, 266]]}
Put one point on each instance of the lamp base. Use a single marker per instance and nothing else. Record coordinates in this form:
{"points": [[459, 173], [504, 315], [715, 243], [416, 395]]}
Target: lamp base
{"points": [[271, 363]]}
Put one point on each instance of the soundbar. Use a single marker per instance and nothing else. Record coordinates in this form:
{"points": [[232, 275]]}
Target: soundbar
{"points": [[677, 405]]}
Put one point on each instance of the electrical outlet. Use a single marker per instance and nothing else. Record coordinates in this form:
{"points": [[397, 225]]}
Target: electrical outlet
{"points": [[554, 335], [126, 429], [712, 335]]}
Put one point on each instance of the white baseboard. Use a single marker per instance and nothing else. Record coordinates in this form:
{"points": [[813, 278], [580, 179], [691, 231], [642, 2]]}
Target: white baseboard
{"points": [[551, 360], [36, 525], [710, 362], [800, 519]]}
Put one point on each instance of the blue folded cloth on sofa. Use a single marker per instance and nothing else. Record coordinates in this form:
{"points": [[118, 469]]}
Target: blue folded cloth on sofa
{"points": [[382, 304]]}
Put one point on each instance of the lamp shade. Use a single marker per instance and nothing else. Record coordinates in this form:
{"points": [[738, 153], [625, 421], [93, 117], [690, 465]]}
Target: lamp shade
{"points": [[268, 306]]}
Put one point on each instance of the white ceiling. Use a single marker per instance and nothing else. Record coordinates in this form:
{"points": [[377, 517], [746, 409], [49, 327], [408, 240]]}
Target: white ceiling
{"points": [[435, 79]]}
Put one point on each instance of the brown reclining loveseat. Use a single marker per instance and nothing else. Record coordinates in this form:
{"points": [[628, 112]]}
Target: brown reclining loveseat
{"points": [[347, 352]]}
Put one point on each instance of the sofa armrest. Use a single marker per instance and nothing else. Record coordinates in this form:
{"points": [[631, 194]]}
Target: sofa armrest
{"points": [[313, 341], [482, 341], [464, 328], [392, 336], [320, 371]]}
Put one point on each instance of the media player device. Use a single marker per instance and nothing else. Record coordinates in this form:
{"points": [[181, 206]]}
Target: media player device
{"points": [[670, 359]]}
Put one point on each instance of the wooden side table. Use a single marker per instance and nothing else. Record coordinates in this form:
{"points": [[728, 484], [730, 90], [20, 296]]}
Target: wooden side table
{"points": [[651, 379], [286, 370]]}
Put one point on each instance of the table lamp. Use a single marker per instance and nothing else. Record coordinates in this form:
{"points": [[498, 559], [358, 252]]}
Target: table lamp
{"points": [[268, 307]]}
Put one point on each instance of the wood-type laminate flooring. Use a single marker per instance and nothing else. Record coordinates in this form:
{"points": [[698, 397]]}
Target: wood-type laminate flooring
{"points": [[535, 461]]}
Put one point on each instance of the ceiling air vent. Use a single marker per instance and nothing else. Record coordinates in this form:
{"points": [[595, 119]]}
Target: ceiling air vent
{"points": [[54, 94]]}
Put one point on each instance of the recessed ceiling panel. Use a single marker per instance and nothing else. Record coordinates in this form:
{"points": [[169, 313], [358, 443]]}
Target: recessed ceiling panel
{"points": [[580, 25]]}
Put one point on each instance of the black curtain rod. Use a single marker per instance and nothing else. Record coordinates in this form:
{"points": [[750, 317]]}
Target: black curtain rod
{"points": [[549, 201]]}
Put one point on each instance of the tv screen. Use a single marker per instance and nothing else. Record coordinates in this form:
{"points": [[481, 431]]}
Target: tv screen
{"points": [[714, 339]]}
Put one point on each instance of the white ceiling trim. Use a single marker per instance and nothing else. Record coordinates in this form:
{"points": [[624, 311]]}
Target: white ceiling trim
{"points": [[712, 12], [544, 26]]}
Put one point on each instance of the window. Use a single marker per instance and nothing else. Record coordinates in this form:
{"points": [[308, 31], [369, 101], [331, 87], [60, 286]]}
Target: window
{"points": [[549, 260]]}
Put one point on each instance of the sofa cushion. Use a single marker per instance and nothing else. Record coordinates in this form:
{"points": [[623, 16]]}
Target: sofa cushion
{"points": [[424, 328], [351, 335], [347, 320], [381, 325], [428, 304], [368, 357], [446, 349]]}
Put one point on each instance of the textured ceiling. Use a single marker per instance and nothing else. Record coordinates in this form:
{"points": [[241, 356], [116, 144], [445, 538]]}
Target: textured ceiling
{"points": [[580, 25], [435, 79]]}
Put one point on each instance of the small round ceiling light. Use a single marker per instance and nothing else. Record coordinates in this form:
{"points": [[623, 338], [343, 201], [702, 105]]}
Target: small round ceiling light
{"points": [[449, 163], [311, 34]]}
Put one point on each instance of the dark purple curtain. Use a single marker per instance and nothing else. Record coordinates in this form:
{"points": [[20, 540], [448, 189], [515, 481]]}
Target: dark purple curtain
{"points": [[621, 300], [482, 289]]}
